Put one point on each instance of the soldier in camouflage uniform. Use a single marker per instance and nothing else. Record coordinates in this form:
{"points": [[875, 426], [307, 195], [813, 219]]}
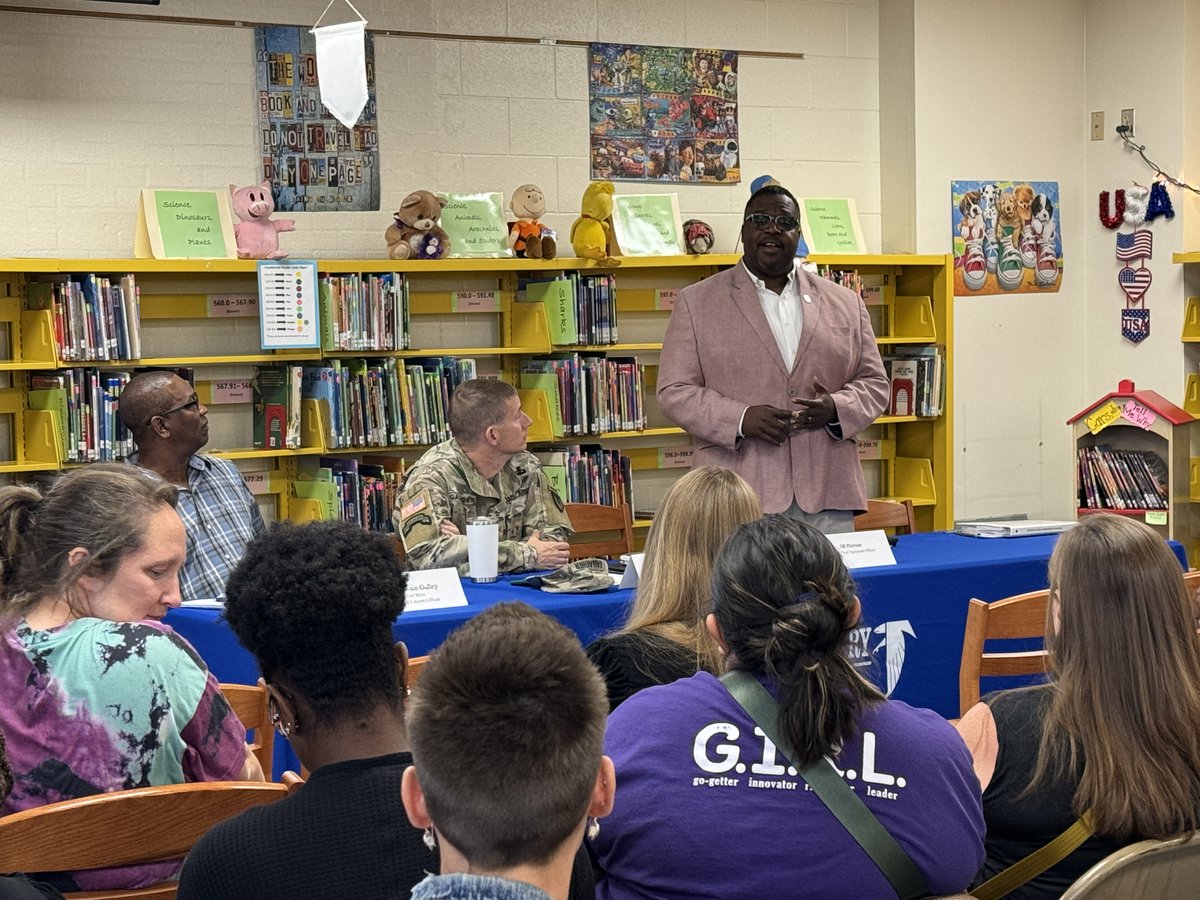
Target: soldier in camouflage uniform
{"points": [[483, 470]]}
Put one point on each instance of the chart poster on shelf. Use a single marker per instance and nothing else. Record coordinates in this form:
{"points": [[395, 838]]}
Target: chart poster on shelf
{"points": [[830, 225], [287, 294], [1006, 236], [313, 161], [648, 225], [475, 223], [179, 224]]}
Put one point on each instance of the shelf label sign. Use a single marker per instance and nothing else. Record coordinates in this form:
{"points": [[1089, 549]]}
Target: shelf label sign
{"points": [[1103, 417], [664, 298], [221, 306], [1156, 517], [475, 301], [236, 390], [1140, 415], [258, 482], [675, 458]]}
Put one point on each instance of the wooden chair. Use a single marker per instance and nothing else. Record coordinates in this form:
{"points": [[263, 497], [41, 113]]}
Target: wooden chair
{"points": [[599, 530], [896, 514], [250, 703], [415, 665], [124, 828], [1022, 616], [1169, 868]]}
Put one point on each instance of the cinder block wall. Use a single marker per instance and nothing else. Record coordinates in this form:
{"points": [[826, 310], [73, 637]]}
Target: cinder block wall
{"points": [[95, 109]]}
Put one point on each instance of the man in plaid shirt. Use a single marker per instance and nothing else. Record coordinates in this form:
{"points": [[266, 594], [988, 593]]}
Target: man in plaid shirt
{"points": [[170, 425]]}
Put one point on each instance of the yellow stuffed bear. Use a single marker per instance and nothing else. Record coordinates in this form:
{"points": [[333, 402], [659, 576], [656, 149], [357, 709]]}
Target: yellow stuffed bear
{"points": [[591, 233]]}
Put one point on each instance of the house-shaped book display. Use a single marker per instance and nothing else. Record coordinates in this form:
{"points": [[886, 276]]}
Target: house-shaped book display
{"points": [[1133, 453]]}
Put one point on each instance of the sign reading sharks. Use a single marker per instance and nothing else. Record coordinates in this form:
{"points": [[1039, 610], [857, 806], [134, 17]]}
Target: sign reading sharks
{"points": [[865, 649]]}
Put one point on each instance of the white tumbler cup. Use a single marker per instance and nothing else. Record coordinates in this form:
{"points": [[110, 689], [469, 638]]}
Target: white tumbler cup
{"points": [[483, 548]]}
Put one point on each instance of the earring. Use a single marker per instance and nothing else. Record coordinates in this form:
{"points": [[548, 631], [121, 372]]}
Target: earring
{"points": [[593, 829], [407, 691], [430, 839]]}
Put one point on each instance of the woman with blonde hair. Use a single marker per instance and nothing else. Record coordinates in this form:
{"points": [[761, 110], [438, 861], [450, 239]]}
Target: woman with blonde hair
{"points": [[1116, 732], [664, 638]]}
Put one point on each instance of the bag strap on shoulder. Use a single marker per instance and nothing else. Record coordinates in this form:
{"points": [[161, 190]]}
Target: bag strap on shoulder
{"points": [[1038, 861], [833, 791]]}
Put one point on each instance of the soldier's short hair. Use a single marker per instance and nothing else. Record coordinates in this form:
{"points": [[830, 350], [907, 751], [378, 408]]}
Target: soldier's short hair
{"points": [[476, 406]]}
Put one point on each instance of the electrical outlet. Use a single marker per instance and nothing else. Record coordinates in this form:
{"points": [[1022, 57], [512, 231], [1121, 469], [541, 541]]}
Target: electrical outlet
{"points": [[1127, 121], [1097, 126]]}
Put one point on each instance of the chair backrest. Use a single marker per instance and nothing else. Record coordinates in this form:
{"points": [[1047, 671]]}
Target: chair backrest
{"points": [[1019, 617], [413, 672], [599, 530], [1168, 868], [896, 514], [250, 704], [124, 827]]}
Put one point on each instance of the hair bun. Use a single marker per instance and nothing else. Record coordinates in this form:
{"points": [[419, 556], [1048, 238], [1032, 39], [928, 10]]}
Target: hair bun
{"points": [[804, 632]]}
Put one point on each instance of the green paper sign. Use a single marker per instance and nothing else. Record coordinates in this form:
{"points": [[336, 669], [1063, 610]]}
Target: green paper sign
{"points": [[831, 226], [190, 224], [475, 223], [648, 224]]}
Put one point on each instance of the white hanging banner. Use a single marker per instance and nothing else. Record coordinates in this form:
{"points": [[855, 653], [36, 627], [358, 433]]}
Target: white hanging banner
{"points": [[342, 68]]}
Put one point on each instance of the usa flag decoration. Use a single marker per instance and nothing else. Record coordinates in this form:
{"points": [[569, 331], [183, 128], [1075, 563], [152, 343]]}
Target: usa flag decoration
{"points": [[1135, 245], [1135, 324]]}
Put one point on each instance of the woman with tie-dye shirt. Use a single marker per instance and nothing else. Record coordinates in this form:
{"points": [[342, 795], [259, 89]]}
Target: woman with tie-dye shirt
{"points": [[99, 694]]}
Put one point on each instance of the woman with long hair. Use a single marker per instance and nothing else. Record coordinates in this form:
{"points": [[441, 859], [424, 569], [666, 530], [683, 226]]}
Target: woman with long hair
{"points": [[708, 807], [99, 694], [664, 637], [1116, 731]]}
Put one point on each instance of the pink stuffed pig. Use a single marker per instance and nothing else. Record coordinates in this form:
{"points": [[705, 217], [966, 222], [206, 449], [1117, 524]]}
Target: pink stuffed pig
{"points": [[256, 232]]}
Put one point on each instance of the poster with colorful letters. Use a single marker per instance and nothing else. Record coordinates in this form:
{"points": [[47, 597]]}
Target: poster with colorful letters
{"points": [[1006, 236], [663, 114], [314, 163]]}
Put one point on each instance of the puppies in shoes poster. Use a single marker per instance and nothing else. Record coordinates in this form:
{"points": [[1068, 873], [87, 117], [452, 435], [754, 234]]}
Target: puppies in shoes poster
{"points": [[1007, 237]]}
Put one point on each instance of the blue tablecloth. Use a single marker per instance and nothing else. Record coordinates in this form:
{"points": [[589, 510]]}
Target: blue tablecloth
{"points": [[910, 637]]}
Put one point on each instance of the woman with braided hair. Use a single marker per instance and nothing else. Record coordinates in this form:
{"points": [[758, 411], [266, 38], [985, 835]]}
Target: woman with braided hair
{"points": [[707, 806]]}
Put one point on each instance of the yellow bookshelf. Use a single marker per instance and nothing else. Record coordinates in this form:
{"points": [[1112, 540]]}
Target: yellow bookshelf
{"points": [[914, 308]]}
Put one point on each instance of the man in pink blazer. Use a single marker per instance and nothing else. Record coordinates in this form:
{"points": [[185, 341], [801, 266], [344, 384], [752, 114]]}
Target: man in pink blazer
{"points": [[773, 371]]}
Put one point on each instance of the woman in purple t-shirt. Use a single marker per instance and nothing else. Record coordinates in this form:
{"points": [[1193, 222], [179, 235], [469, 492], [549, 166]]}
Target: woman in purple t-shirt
{"points": [[707, 807]]}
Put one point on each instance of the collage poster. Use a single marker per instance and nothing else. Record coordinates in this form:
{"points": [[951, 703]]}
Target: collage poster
{"points": [[1006, 237], [314, 163], [663, 114]]}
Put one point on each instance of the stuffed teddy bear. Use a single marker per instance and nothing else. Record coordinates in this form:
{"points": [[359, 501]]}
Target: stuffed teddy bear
{"points": [[256, 232], [416, 233], [527, 236], [591, 233]]}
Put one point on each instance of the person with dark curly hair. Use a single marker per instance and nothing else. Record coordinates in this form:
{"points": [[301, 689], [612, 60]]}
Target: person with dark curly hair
{"points": [[315, 605], [704, 776], [15, 886]]}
